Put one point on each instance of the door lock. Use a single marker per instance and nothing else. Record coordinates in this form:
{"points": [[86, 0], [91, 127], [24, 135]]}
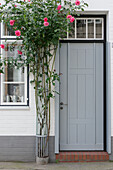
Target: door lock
{"points": [[61, 108], [62, 103]]}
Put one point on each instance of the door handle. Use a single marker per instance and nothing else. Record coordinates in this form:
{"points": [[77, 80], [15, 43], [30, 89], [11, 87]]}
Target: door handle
{"points": [[62, 103]]}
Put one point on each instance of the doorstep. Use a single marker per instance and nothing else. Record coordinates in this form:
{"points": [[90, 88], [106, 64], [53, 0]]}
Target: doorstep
{"points": [[82, 156]]}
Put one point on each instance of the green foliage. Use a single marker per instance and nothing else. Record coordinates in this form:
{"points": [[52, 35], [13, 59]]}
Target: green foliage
{"points": [[39, 43]]}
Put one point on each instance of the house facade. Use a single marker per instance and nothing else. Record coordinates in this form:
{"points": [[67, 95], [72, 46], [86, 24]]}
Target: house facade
{"points": [[82, 115]]}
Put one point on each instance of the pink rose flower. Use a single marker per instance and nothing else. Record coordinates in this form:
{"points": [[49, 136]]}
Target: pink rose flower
{"points": [[19, 52], [28, 0], [72, 19], [12, 22], [15, 6], [2, 46], [0, 3], [59, 12], [69, 16], [77, 2], [46, 24], [59, 7], [17, 33], [45, 19]]}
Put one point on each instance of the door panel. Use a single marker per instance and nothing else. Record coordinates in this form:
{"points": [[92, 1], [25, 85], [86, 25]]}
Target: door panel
{"points": [[81, 92], [99, 93], [63, 94]]}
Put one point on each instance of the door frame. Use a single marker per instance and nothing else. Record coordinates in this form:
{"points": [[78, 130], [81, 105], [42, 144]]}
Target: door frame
{"points": [[106, 93]]}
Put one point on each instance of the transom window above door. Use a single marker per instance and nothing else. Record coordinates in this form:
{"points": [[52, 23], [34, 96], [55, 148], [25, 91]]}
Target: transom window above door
{"points": [[87, 28]]}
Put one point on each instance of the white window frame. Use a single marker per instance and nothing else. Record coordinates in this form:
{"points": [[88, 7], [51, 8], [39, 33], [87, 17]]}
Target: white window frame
{"points": [[87, 30], [25, 83]]}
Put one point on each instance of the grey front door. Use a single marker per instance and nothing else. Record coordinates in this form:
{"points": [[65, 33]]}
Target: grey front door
{"points": [[81, 96]]}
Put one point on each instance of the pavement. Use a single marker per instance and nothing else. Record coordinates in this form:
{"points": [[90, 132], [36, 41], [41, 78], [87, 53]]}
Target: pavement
{"points": [[57, 166]]}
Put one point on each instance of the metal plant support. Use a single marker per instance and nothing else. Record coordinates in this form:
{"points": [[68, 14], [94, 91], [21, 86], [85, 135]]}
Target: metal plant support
{"points": [[41, 146]]}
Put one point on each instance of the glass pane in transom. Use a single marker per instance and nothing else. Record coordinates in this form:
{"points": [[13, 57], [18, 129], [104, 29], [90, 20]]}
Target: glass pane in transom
{"points": [[81, 28], [98, 23], [90, 23], [72, 30]]}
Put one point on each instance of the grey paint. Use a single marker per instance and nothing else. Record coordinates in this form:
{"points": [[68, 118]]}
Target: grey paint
{"points": [[51, 149], [81, 91], [22, 148], [111, 150], [99, 95], [63, 93], [108, 98], [57, 105], [17, 148]]}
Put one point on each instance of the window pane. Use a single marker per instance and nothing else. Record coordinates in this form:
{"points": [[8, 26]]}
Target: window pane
{"points": [[90, 28], [14, 74], [98, 23], [72, 30], [11, 50], [8, 30], [81, 28], [13, 93]]}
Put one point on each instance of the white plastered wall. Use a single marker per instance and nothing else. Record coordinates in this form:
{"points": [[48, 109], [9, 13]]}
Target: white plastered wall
{"points": [[19, 120], [23, 121]]}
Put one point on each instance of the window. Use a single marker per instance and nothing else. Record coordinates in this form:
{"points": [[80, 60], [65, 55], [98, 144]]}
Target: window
{"points": [[87, 28], [14, 82]]}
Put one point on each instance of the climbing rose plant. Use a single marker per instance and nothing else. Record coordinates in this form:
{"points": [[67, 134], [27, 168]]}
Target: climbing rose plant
{"points": [[39, 25]]}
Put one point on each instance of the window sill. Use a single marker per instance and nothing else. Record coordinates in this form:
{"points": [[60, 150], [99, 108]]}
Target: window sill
{"points": [[14, 107]]}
